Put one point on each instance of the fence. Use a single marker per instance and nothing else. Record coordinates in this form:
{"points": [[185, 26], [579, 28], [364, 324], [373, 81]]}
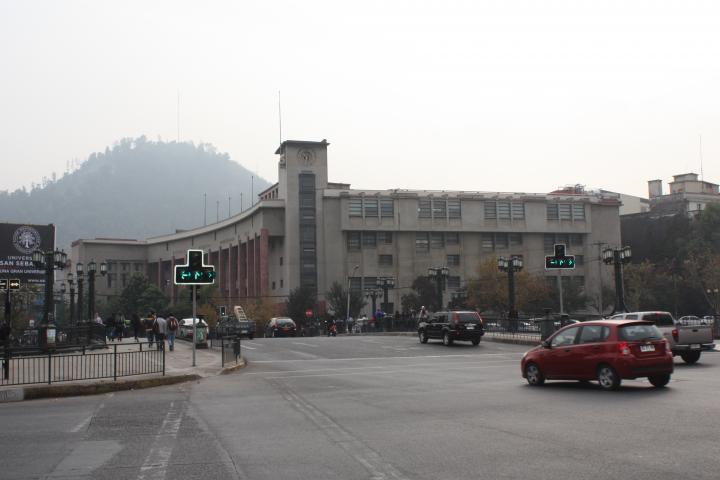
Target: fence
{"points": [[23, 367], [79, 335], [228, 345]]}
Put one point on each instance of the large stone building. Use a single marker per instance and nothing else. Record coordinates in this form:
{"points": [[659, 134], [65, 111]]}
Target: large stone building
{"points": [[305, 230], [688, 195]]}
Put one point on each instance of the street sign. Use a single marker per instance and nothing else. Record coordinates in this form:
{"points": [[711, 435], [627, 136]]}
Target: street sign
{"points": [[3, 283], [14, 284], [308, 313], [559, 261], [194, 272]]}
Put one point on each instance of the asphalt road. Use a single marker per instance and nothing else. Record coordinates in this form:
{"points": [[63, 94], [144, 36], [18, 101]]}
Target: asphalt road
{"points": [[374, 408]]}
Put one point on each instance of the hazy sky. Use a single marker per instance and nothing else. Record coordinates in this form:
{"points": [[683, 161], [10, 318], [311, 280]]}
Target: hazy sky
{"points": [[457, 95]]}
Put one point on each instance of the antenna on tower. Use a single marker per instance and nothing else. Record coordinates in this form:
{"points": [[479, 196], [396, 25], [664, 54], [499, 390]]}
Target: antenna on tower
{"points": [[280, 115], [178, 116], [702, 178]]}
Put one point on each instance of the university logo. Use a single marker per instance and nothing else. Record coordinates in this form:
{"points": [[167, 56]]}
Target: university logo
{"points": [[26, 239]]}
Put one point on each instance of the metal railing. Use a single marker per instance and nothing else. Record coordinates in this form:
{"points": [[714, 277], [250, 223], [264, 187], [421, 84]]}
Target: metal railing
{"points": [[68, 365], [229, 349]]}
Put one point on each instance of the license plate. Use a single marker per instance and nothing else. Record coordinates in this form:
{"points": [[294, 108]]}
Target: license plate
{"points": [[695, 346], [647, 348], [470, 327]]}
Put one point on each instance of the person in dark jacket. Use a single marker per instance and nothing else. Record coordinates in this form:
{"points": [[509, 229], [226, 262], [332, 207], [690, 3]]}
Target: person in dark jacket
{"points": [[136, 325]]}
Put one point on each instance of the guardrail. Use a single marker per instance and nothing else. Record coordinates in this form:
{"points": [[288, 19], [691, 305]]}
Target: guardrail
{"points": [[65, 366]]}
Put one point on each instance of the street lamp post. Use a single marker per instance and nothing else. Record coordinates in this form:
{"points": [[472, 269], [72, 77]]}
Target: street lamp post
{"points": [[714, 295], [71, 284], [618, 257], [373, 294], [439, 274], [63, 291], [385, 283], [347, 316], [514, 264], [92, 268], [50, 261], [79, 271]]}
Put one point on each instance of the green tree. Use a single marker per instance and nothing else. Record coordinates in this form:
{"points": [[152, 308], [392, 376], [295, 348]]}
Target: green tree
{"points": [[337, 298], [300, 300], [140, 296]]}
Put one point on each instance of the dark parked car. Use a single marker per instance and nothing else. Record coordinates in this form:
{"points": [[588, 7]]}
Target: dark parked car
{"points": [[230, 325], [450, 326], [281, 327], [604, 350]]}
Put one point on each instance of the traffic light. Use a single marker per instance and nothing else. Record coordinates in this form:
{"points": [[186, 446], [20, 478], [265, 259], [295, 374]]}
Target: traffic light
{"points": [[194, 272], [559, 260]]}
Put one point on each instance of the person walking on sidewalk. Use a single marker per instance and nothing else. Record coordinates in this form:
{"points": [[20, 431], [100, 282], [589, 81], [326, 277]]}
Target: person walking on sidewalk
{"points": [[160, 330], [136, 325], [149, 321], [172, 326]]}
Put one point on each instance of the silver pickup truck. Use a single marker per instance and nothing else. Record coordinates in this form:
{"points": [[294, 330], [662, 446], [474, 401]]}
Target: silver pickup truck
{"points": [[686, 338]]}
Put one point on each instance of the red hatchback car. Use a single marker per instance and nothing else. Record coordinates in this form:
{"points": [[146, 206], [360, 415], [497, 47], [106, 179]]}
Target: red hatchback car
{"points": [[603, 350]]}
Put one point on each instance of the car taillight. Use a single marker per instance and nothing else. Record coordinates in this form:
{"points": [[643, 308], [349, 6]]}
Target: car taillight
{"points": [[675, 334], [624, 348]]}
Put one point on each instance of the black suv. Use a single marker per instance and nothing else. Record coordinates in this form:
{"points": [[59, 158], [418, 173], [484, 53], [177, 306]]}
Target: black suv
{"points": [[450, 326]]}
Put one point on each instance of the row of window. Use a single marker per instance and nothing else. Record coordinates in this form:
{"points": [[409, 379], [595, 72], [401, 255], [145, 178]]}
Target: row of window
{"points": [[386, 260], [565, 211], [489, 241], [442, 208], [372, 207], [439, 208], [360, 284], [125, 266]]}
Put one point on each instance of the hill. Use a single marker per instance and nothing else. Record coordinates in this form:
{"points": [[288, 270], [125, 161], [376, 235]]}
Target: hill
{"points": [[137, 189]]}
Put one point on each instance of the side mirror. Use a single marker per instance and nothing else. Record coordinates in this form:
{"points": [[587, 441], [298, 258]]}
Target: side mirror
{"points": [[545, 344]]}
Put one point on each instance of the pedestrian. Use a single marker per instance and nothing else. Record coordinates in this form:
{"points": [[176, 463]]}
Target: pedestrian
{"points": [[172, 327], [160, 329], [98, 320], [110, 328], [136, 325], [119, 327], [148, 322]]}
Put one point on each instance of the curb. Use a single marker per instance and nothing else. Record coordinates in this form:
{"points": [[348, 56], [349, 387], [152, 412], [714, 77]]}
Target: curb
{"points": [[227, 370], [57, 391], [515, 341]]}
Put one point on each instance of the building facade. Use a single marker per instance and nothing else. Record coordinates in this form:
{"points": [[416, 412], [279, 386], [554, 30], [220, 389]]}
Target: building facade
{"points": [[305, 230], [688, 195]]}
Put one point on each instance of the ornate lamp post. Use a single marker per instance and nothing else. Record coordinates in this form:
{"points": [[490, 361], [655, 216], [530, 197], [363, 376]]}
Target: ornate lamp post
{"points": [[385, 283], [618, 257], [63, 291], [373, 294], [79, 271], [50, 261], [514, 264], [440, 274], [71, 284], [92, 268]]}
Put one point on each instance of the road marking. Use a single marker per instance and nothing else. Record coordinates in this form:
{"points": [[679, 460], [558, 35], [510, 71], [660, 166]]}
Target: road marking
{"points": [[372, 461], [382, 372], [82, 425], [251, 343], [367, 367], [306, 344], [355, 359], [242, 345], [156, 463], [309, 356]]}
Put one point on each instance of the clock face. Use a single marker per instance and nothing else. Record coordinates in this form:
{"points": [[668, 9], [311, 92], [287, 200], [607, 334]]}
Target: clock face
{"points": [[306, 157]]}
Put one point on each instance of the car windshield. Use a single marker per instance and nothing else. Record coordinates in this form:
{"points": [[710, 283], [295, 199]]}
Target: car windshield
{"points": [[639, 332], [660, 319]]}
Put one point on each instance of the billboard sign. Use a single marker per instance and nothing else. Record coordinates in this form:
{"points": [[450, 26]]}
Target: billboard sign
{"points": [[17, 242]]}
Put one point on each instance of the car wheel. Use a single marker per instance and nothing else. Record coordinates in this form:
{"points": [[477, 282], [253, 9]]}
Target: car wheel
{"points": [[422, 336], [476, 342], [608, 378], [690, 357], [447, 341], [659, 381], [533, 375]]}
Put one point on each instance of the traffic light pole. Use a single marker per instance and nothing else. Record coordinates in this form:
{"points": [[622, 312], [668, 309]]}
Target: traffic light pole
{"points": [[194, 340]]}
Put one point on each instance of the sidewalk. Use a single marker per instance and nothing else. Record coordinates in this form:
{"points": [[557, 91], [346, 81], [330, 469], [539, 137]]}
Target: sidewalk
{"points": [[178, 369]]}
